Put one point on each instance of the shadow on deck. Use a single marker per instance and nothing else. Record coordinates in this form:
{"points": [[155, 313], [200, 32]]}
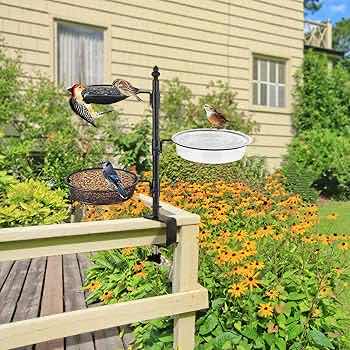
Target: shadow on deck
{"points": [[50, 285]]}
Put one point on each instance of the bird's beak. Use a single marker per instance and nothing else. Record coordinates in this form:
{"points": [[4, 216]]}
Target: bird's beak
{"points": [[70, 89]]}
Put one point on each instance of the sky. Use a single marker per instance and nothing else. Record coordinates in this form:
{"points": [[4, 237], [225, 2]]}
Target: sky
{"points": [[333, 10]]}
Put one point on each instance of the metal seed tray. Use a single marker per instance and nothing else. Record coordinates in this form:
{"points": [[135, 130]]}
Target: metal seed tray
{"points": [[90, 186]]}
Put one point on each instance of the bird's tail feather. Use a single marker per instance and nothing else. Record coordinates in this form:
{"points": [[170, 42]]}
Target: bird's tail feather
{"points": [[139, 99]]}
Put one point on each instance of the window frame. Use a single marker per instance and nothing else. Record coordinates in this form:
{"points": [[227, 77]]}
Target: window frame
{"points": [[258, 59]]}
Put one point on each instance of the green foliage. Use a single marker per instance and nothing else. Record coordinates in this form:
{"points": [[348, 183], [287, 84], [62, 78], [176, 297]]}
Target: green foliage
{"points": [[324, 156], [174, 168], [300, 182], [341, 35], [133, 147], [43, 137], [32, 203], [125, 275], [181, 111], [322, 96], [265, 235], [312, 5]]}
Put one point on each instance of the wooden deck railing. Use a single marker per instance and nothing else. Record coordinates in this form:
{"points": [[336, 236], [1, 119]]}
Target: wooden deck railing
{"points": [[318, 34], [186, 298]]}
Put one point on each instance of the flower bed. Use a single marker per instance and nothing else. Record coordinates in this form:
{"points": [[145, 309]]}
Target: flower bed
{"points": [[273, 280]]}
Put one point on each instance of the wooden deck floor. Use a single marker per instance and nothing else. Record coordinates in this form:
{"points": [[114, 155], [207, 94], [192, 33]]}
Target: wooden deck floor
{"points": [[44, 286]]}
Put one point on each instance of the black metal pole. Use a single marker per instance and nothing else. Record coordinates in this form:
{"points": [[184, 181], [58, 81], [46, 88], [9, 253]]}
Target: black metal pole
{"points": [[155, 143]]}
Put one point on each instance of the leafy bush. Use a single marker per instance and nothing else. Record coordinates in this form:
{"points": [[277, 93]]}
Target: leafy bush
{"points": [[32, 203], [174, 168], [322, 96], [299, 182], [325, 157], [133, 147], [43, 138], [273, 281]]}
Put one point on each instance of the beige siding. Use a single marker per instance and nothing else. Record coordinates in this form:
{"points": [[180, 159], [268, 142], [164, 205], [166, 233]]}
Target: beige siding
{"points": [[196, 41]]}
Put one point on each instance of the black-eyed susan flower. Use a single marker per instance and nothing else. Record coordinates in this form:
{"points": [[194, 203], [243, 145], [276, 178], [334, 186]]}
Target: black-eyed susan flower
{"points": [[106, 296], [272, 294], [332, 216], [237, 289], [265, 310], [252, 282]]}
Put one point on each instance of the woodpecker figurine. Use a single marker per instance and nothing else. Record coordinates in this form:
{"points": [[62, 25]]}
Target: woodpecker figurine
{"points": [[215, 118], [79, 107], [113, 179], [126, 88]]}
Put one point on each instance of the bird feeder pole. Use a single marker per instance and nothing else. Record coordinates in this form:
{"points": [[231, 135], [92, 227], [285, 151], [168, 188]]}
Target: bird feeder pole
{"points": [[155, 101]]}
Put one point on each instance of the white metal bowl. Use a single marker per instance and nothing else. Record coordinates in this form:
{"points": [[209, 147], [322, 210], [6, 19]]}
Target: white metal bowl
{"points": [[211, 146]]}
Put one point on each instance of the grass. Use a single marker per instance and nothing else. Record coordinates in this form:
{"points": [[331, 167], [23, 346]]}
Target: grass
{"points": [[340, 225], [342, 222]]}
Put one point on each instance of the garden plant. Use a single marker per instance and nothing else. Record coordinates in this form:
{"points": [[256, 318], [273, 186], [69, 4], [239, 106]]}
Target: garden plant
{"points": [[274, 282]]}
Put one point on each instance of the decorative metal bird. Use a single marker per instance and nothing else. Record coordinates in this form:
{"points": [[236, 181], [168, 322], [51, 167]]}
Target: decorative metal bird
{"points": [[215, 118], [113, 179], [126, 88], [80, 108]]}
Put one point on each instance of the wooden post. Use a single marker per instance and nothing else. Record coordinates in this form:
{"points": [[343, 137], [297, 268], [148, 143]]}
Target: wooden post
{"points": [[185, 278], [329, 35]]}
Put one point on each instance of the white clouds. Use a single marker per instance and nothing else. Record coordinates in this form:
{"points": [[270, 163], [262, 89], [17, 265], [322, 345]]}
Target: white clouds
{"points": [[338, 8]]}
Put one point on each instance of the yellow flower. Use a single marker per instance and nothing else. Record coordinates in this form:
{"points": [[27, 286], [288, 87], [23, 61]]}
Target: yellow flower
{"points": [[93, 285], [251, 282], [240, 235], [326, 291], [332, 216], [139, 266], [237, 289], [257, 264], [141, 274], [265, 310], [127, 251], [343, 246], [272, 294], [106, 296]]}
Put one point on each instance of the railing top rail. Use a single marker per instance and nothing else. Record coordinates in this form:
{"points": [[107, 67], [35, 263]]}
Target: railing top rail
{"points": [[182, 217]]}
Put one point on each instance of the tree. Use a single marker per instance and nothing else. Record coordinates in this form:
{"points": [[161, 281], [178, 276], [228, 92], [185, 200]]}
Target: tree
{"points": [[341, 35], [312, 5]]}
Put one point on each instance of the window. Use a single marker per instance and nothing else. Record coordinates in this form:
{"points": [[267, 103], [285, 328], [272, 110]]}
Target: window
{"points": [[269, 82], [80, 54]]}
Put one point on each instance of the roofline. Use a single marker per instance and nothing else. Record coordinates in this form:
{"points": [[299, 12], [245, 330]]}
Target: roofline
{"points": [[334, 52]]}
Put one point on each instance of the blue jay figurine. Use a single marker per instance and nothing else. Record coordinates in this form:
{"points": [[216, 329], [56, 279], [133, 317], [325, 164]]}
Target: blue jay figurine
{"points": [[113, 179]]}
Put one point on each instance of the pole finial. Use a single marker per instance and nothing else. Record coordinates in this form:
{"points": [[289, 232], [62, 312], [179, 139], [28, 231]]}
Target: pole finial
{"points": [[155, 72]]}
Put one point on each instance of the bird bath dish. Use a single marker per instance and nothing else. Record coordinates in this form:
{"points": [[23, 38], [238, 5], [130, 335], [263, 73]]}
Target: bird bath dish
{"points": [[211, 146], [102, 94], [90, 186]]}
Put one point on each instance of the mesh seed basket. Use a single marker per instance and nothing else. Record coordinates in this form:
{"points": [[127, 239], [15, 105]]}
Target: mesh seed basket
{"points": [[90, 186]]}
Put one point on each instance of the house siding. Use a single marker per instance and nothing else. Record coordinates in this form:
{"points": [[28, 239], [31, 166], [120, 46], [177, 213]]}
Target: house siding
{"points": [[196, 41]]}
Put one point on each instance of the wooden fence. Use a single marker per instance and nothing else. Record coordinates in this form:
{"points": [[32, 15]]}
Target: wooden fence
{"points": [[186, 298]]}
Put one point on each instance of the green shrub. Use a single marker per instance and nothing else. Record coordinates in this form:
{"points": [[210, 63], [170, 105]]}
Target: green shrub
{"points": [[322, 96], [43, 137], [299, 182], [173, 168], [32, 203], [324, 156]]}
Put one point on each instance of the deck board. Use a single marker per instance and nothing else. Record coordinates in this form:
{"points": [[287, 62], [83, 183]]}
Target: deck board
{"points": [[5, 268], [28, 305], [46, 286], [74, 299], [12, 289], [52, 298]]}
